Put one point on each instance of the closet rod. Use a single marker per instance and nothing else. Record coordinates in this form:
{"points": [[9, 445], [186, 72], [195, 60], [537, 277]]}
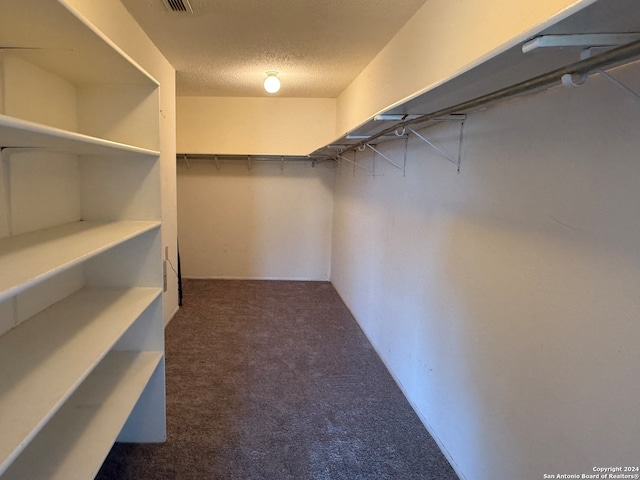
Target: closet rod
{"points": [[254, 158], [609, 59]]}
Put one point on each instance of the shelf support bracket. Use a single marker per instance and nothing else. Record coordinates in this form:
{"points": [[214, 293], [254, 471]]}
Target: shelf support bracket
{"points": [[385, 157], [460, 143], [618, 83], [601, 40], [569, 80], [453, 159], [186, 161], [588, 41], [406, 148], [341, 157], [217, 162]]}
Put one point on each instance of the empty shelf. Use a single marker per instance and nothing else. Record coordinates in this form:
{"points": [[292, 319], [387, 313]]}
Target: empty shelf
{"points": [[44, 359], [29, 258], [75, 442], [17, 133]]}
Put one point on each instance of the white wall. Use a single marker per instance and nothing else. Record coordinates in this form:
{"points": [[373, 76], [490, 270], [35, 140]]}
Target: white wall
{"points": [[268, 222], [115, 22], [411, 63], [258, 126], [504, 299]]}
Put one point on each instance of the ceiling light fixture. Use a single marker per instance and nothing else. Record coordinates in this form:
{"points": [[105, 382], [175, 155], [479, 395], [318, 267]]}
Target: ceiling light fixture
{"points": [[272, 82]]}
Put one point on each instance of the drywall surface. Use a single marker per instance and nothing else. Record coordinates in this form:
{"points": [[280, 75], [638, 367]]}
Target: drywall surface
{"points": [[266, 126], [28, 95], [442, 40], [504, 298], [115, 22], [267, 222]]}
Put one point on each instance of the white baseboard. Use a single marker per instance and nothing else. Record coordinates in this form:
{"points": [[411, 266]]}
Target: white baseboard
{"points": [[415, 408], [171, 316]]}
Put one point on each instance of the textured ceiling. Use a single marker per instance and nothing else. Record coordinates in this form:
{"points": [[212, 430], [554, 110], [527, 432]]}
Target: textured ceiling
{"points": [[225, 47]]}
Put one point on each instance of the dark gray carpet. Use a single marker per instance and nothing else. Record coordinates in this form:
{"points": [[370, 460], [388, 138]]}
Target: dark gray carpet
{"points": [[275, 380]]}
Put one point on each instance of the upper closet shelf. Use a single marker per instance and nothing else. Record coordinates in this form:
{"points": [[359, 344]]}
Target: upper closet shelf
{"points": [[511, 70], [17, 133], [35, 256]]}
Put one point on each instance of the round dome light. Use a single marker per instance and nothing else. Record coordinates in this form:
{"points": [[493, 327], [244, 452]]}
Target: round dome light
{"points": [[272, 82]]}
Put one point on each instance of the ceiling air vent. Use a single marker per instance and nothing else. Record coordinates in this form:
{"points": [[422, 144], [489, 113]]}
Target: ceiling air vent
{"points": [[178, 6]]}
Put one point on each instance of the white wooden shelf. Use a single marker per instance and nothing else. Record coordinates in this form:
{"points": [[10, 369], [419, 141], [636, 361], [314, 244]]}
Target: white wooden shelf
{"points": [[75, 442], [80, 243], [82, 54], [44, 359], [36, 256], [17, 133]]}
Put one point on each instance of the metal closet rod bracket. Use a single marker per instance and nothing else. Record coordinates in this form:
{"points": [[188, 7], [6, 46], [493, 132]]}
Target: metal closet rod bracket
{"points": [[608, 59], [456, 160], [588, 42], [401, 133], [342, 157], [588, 53], [599, 40], [385, 157], [618, 83]]}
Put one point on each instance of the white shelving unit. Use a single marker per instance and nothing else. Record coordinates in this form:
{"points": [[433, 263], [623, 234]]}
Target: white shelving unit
{"points": [[81, 324]]}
